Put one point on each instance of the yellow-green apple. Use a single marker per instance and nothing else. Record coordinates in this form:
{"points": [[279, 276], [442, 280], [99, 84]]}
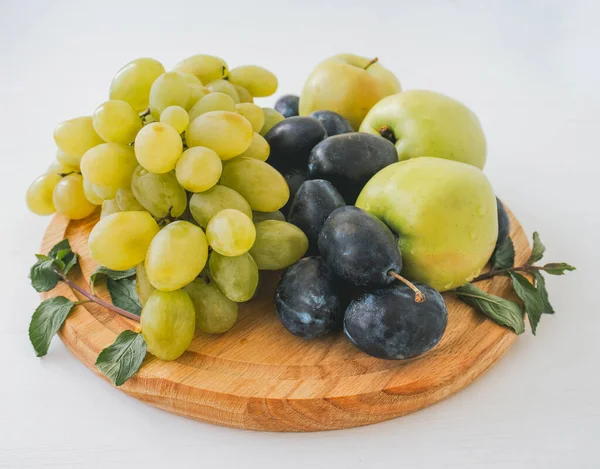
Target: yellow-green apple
{"points": [[425, 123], [444, 213], [349, 85]]}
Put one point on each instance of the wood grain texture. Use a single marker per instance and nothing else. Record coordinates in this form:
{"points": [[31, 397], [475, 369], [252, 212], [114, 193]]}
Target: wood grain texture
{"points": [[258, 376]]}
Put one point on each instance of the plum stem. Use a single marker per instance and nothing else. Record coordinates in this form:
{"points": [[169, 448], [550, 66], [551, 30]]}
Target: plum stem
{"points": [[371, 62], [494, 273], [386, 133], [419, 297]]}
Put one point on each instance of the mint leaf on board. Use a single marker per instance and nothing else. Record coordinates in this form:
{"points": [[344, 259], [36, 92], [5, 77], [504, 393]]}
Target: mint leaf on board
{"points": [[504, 255], [538, 249], [43, 276], [504, 312], [46, 321], [63, 252], [534, 306], [124, 295], [121, 360], [109, 273], [540, 284], [557, 268]]}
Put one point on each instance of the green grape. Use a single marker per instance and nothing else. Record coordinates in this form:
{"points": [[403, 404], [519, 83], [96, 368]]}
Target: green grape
{"points": [[90, 193], [236, 277], [39, 194], [227, 133], [109, 164], [158, 147], [206, 205], [278, 245], [257, 80], [69, 198], [169, 89], [133, 81], [59, 168], [120, 240], [259, 183], [176, 117], [127, 201], [160, 194], [243, 93], [168, 323], [196, 94], [67, 161], [272, 117], [105, 192], [143, 287], [176, 255], [253, 113], [76, 136], [223, 86], [198, 169], [116, 121], [215, 313], [212, 102], [191, 79], [257, 217], [259, 149], [205, 67], [109, 207], [230, 232]]}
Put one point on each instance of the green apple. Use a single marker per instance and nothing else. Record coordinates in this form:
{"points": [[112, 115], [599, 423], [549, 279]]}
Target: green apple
{"points": [[444, 213], [425, 123], [349, 85]]}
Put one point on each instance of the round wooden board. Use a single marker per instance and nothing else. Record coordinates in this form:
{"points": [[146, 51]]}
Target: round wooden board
{"points": [[258, 376]]}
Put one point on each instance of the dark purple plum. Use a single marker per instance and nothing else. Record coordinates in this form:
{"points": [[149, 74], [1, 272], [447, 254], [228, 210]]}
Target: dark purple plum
{"points": [[388, 323], [313, 203], [294, 178], [287, 105], [291, 142], [334, 123], [349, 160], [359, 248], [307, 300], [503, 223]]}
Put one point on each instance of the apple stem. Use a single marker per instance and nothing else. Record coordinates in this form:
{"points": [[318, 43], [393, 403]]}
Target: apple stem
{"points": [[419, 297], [373, 61], [386, 133]]}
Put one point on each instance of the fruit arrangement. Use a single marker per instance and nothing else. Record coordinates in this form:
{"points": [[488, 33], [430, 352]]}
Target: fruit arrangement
{"points": [[371, 198]]}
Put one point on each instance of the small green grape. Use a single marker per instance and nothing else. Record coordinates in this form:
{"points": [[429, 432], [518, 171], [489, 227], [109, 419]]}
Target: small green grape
{"points": [[198, 169], [257, 217], [205, 67], [76, 136], [212, 102], [158, 147], [253, 113], [230, 232], [109, 207], [90, 193], [105, 192], [133, 81], [223, 86], [278, 245], [236, 277], [66, 162], [127, 201], [259, 149], [143, 287], [168, 323], [257, 80], [272, 117], [176, 256], [39, 194], [206, 205], [176, 117], [116, 121], [160, 194], [69, 198], [169, 89], [109, 164], [120, 241], [243, 93], [215, 313], [227, 133], [196, 94]]}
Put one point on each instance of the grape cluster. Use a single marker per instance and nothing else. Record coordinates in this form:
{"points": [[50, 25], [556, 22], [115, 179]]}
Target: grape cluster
{"points": [[177, 161]]}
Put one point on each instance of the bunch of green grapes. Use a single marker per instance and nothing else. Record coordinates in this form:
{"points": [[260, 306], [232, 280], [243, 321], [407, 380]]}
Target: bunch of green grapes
{"points": [[176, 160]]}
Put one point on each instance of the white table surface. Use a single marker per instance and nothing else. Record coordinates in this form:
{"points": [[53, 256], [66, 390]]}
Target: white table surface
{"points": [[529, 69]]}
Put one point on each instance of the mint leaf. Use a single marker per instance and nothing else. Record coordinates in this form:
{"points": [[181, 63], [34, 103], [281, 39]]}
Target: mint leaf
{"points": [[43, 276], [534, 306], [537, 252], [504, 312], [124, 295], [121, 360], [504, 255], [64, 245], [46, 321], [114, 274], [558, 268], [540, 284], [62, 252]]}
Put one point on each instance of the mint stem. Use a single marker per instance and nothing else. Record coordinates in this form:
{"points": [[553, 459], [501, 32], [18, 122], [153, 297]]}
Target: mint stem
{"points": [[494, 273], [97, 300]]}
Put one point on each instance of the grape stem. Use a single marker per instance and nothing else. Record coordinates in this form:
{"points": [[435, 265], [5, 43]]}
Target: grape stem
{"points": [[97, 300], [372, 61], [419, 297], [494, 273], [145, 113]]}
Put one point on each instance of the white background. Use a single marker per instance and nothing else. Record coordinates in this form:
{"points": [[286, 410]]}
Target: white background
{"points": [[529, 69]]}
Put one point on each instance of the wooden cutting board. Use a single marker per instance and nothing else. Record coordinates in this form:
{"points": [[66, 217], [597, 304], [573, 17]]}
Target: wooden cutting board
{"points": [[258, 376]]}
